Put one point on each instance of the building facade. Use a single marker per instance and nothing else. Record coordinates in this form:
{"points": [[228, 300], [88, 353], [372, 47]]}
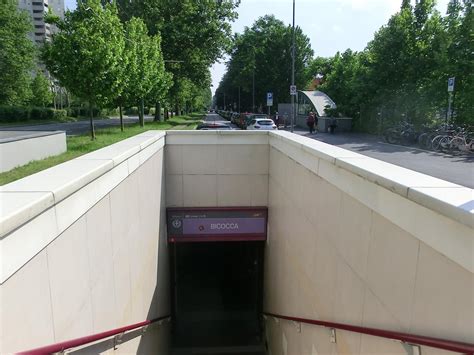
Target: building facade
{"points": [[38, 10]]}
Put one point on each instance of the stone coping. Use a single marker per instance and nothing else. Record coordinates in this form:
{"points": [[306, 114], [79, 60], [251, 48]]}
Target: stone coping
{"points": [[449, 199], [15, 136], [26, 198]]}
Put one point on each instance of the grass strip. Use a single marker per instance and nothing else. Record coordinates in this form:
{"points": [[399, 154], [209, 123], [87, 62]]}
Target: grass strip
{"points": [[82, 144]]}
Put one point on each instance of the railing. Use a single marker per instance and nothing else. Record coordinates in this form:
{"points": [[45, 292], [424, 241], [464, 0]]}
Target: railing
{"points": [[444, 344], [74, 343]]}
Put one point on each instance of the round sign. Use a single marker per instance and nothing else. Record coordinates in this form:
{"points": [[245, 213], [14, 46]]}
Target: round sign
{"points": [[176, 223]]}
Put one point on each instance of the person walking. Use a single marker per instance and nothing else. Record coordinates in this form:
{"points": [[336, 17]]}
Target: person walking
{"points": [[310, 120], [332, 125]]}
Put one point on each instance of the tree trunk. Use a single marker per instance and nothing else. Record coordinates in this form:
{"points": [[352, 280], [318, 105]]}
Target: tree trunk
{"points": [[92, 129], [141, 113], [121, 116], [157, 112]]}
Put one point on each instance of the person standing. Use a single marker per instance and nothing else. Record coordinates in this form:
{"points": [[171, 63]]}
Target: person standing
{"points": [[310, 120]]}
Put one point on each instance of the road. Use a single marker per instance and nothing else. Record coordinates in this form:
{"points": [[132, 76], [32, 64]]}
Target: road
{"points": [[74, 128]]}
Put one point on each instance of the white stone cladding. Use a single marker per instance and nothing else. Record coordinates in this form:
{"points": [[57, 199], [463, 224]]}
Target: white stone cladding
{"points": [[351, 239]]}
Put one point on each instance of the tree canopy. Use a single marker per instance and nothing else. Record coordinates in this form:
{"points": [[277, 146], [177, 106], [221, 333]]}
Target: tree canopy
{"points": [[42, 95], [261, 58], [17, 53], [194, 35], [403, 71]]}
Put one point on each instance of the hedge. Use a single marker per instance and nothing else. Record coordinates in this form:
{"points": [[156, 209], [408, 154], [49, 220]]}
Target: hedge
{"points": [[77, 111], [18, 114]]}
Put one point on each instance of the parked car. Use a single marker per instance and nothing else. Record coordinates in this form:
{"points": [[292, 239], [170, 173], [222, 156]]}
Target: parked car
{"points": [[261, 124], [254, 116], [206, 126]]}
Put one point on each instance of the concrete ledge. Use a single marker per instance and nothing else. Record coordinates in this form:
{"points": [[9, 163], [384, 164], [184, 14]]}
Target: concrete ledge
{"points": [[426, 190], [37, 208], [425, 206], [216, 137], [18, 148]]}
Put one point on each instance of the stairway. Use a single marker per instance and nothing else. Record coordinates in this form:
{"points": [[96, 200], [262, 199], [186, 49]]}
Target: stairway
{"points": [[229, 350]]}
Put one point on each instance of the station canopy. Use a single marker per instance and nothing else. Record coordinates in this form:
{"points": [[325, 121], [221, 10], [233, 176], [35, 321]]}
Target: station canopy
{"points": [[316, 101]]}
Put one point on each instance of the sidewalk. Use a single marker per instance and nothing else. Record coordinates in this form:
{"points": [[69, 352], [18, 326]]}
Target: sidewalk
{"points": [[457, 169]]}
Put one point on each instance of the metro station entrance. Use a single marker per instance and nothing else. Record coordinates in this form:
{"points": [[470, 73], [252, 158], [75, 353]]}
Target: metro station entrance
{"points": [[217, 283]]}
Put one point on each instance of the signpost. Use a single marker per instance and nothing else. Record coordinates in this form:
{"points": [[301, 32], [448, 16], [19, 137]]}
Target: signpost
{"points": [[216, 224], [451, 94], [451, 84], [293, 90], [269, 101]]}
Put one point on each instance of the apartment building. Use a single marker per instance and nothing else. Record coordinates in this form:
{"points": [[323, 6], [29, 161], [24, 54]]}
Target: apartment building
{"points": [[37, 10]]}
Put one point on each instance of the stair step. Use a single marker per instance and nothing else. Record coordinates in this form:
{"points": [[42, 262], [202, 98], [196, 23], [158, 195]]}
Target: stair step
{"points": [[222, 350]]}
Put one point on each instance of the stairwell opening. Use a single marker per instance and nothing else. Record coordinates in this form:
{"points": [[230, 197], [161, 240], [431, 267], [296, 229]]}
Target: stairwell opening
{"points": [[217, 297]]}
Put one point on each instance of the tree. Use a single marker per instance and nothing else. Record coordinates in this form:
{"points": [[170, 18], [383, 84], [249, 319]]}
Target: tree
{"points": [[145, 71], [41, 91], [86, 55], [459, 24], [17, 53], [261, 62], [194, 35]]}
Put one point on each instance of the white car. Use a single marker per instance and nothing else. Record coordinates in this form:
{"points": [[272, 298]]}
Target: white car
{"points": [[262, 124]]}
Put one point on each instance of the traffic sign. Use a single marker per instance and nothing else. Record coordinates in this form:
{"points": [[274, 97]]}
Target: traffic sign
{"points": [[451, 84], [269, 98], [292, 89]]}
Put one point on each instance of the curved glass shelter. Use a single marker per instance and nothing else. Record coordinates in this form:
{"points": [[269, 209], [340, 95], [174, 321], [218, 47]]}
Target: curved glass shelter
{"points": [[315, 101]]}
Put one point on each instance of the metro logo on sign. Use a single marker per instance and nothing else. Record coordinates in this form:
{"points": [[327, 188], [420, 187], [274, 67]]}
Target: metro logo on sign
{"points": [[216, 224]]}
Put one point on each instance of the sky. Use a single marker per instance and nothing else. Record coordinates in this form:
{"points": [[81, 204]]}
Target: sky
{"points": [[331, 25]]}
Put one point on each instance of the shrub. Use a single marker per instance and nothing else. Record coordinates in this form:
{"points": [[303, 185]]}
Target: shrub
{"points": [[131, 110], [59, 115], [14, 114], [78, 111], [18, 114], [109, 112]]}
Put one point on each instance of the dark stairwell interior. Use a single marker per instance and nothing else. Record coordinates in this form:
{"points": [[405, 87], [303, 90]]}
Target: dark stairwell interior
{"points": [[217, 298]]}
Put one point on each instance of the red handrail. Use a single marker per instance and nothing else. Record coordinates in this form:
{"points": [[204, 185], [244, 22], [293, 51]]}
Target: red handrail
{"points": [[73, 343], [444, 344]]}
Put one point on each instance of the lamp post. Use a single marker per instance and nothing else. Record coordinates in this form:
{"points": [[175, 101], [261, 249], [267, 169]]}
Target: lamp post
{"points": [[293, 54]]}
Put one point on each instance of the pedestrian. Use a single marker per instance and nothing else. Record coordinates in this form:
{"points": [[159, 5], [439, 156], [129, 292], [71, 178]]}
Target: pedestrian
{"points": [[310, 120], [332, 125], [277, 119]]}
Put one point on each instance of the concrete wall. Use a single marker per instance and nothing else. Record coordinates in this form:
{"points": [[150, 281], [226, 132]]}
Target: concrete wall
{"points": [[359, 241], [351, 239], [23, 147], [83, 250], [214, 168]]}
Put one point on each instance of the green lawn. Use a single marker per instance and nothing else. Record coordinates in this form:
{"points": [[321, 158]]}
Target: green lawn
{"points": [[79, 145]]}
